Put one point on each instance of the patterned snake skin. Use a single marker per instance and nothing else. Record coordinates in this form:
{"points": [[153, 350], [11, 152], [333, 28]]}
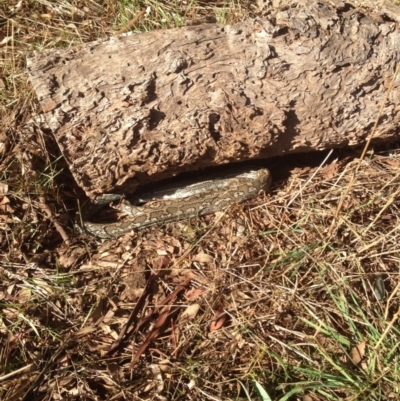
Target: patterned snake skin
{"points": [[178, 203]]}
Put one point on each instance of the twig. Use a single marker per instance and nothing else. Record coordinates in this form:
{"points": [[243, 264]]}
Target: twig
{"points": [[15, 372], [53, 360], [131, 23], [392, 322], [166, 303], [394, 292], [45, 208], [315, 172], [133, 316]]}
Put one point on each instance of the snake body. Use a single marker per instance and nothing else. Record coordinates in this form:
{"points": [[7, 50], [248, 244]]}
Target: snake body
{"points": [[175, 203]]}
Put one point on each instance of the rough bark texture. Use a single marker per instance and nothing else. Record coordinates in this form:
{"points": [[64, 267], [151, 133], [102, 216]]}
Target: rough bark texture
{"points": [[143, 107]]}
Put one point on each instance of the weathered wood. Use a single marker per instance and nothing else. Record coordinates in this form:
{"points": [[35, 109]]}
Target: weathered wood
{"points": [[143, 107]]}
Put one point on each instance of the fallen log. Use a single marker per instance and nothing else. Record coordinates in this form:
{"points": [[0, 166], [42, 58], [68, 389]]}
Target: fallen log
{"points": [[143, 107]]}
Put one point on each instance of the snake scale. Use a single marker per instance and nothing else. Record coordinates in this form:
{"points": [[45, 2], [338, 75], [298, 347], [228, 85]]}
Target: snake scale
{"points": [[173, 203]]}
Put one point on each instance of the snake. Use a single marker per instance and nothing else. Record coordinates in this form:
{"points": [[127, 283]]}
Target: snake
{"points": [[180, 201]]}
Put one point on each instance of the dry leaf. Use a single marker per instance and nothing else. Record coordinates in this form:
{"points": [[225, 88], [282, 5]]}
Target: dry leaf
{"points": [[203, 258], [161, 261], [240, 229], [17, 7], [4, 200], [3, 188], [379, 287], [43, 286], [219, 322], [162, 252], [25, 295], [69, 257], [6, 40], [330, 170], [158, 378], [84, 330], [165, 365], [392, 163], [5, 218], [47, 16], [5, 206], [357, 353], [190, 313], [194, 293]]}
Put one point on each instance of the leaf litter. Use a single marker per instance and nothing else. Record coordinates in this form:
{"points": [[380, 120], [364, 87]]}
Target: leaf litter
{"points": [[293, 296]]}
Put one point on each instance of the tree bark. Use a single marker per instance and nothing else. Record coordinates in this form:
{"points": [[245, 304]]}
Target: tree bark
{"points": [[310, 75]]}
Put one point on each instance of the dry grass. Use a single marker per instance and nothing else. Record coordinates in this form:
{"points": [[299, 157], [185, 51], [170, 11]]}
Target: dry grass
{"points": [[304, 305]]}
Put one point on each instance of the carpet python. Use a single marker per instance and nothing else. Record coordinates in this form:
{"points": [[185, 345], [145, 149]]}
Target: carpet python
{"points": [[180, 202]]}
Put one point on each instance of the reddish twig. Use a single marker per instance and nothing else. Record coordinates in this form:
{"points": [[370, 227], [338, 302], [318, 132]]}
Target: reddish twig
{"points": [[131, 23], [160, 321]]}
